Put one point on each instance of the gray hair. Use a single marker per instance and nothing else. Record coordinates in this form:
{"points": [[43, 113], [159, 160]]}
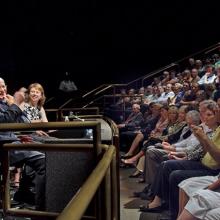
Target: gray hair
{"points": [[207, 102], [195, 116]]}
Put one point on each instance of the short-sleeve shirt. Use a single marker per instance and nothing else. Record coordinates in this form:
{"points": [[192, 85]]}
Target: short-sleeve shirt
{"points": [[208, 160]]}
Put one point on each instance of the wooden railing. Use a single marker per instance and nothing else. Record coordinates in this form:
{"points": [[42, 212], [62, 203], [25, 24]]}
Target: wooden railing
{"points": [[105, 171]]}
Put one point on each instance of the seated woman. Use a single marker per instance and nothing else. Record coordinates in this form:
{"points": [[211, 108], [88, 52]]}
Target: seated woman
{"points": [[187, 142], [33, 107], [34, 104], [143, 134], [199, 198], [174, 123], [172, 172]]}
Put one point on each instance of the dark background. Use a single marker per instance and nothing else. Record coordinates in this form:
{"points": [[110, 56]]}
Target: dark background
{"points": [[119, 40]]}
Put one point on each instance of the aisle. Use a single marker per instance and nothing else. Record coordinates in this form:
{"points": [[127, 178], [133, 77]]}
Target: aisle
{"points": [[129, 206]]}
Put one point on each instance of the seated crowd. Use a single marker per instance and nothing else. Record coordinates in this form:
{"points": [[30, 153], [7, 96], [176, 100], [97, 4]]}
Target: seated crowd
{"points": [[170, 132]]}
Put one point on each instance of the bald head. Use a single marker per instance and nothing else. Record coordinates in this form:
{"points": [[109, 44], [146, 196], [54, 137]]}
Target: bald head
{"points": [[3, 89], [2, 80]]}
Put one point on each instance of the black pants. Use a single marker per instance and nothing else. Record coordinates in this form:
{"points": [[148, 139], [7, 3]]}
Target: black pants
{"points": [[38, 166], [170, 174], [126, 139]]}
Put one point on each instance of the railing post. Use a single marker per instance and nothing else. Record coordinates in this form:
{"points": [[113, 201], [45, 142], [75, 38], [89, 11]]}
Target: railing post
{"points": [[108, 196], [4, 177], [115, 183]]}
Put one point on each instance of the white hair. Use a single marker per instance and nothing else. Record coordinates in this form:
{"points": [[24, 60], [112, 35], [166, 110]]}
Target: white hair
{"points": [[1, 79]]}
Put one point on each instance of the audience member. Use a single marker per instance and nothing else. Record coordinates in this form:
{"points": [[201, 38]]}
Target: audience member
{"points": [[10, 112]]}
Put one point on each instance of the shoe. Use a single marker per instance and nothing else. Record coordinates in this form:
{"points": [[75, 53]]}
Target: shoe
{"points": [[137, 194], [126, 156], [165, 218], [125, 161], [136, 174], [145, 190], [147, 209], [125, 164], [25, 197], [141, 180], [147, 196], [155, 209]]}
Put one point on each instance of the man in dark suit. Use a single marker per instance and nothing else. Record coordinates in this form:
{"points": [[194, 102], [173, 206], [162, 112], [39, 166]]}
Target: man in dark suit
{"points": [[10, 112], [129, 126]]}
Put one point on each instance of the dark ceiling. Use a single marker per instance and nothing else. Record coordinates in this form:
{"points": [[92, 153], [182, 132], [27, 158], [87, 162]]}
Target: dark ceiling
{"points": [[119, 40]]}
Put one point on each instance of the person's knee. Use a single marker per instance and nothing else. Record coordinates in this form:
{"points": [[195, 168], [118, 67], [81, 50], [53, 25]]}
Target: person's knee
{"points": [[213, 214], [151, 153], [175, 177], [40, 166], [170, 165]]}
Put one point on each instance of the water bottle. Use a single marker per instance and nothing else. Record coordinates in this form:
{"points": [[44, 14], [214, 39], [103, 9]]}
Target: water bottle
{"points": [[89, 133], [66, 118], [71, 115]]}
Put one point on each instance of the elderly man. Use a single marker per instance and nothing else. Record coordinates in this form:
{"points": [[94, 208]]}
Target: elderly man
{"points": [[10, 112], [129, 127]]}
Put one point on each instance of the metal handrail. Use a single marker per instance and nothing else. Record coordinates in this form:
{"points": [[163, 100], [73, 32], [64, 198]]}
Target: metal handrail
{"points": [[104, 167], [49, 100], [77, 206], [158, 71], [90, 92], [206, 51], [102, 90], [96, 99], [64, 104], [142, 78], [152, 73]]}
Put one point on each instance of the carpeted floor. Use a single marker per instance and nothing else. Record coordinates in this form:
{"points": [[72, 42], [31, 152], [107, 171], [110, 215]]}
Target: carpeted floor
{"points": [[129, 205]]}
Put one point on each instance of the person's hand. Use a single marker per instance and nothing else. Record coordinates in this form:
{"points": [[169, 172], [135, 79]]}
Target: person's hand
{"points": [[217, 115], [178, 158], [166, 145], [215, 185], [194, 103], [41, 133], [9, 99], [121, 125], [152, 135], [177, 155], [170, 156], [25, 138], [197, 131], [19, 98]]}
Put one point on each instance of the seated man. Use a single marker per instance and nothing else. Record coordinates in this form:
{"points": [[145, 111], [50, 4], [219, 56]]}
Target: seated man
{"points": [[130, 125], [9, 113]]}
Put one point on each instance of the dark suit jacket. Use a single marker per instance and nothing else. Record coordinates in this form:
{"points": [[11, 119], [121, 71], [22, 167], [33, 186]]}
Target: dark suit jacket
{"points": [[10, 114], [134, 121]]}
